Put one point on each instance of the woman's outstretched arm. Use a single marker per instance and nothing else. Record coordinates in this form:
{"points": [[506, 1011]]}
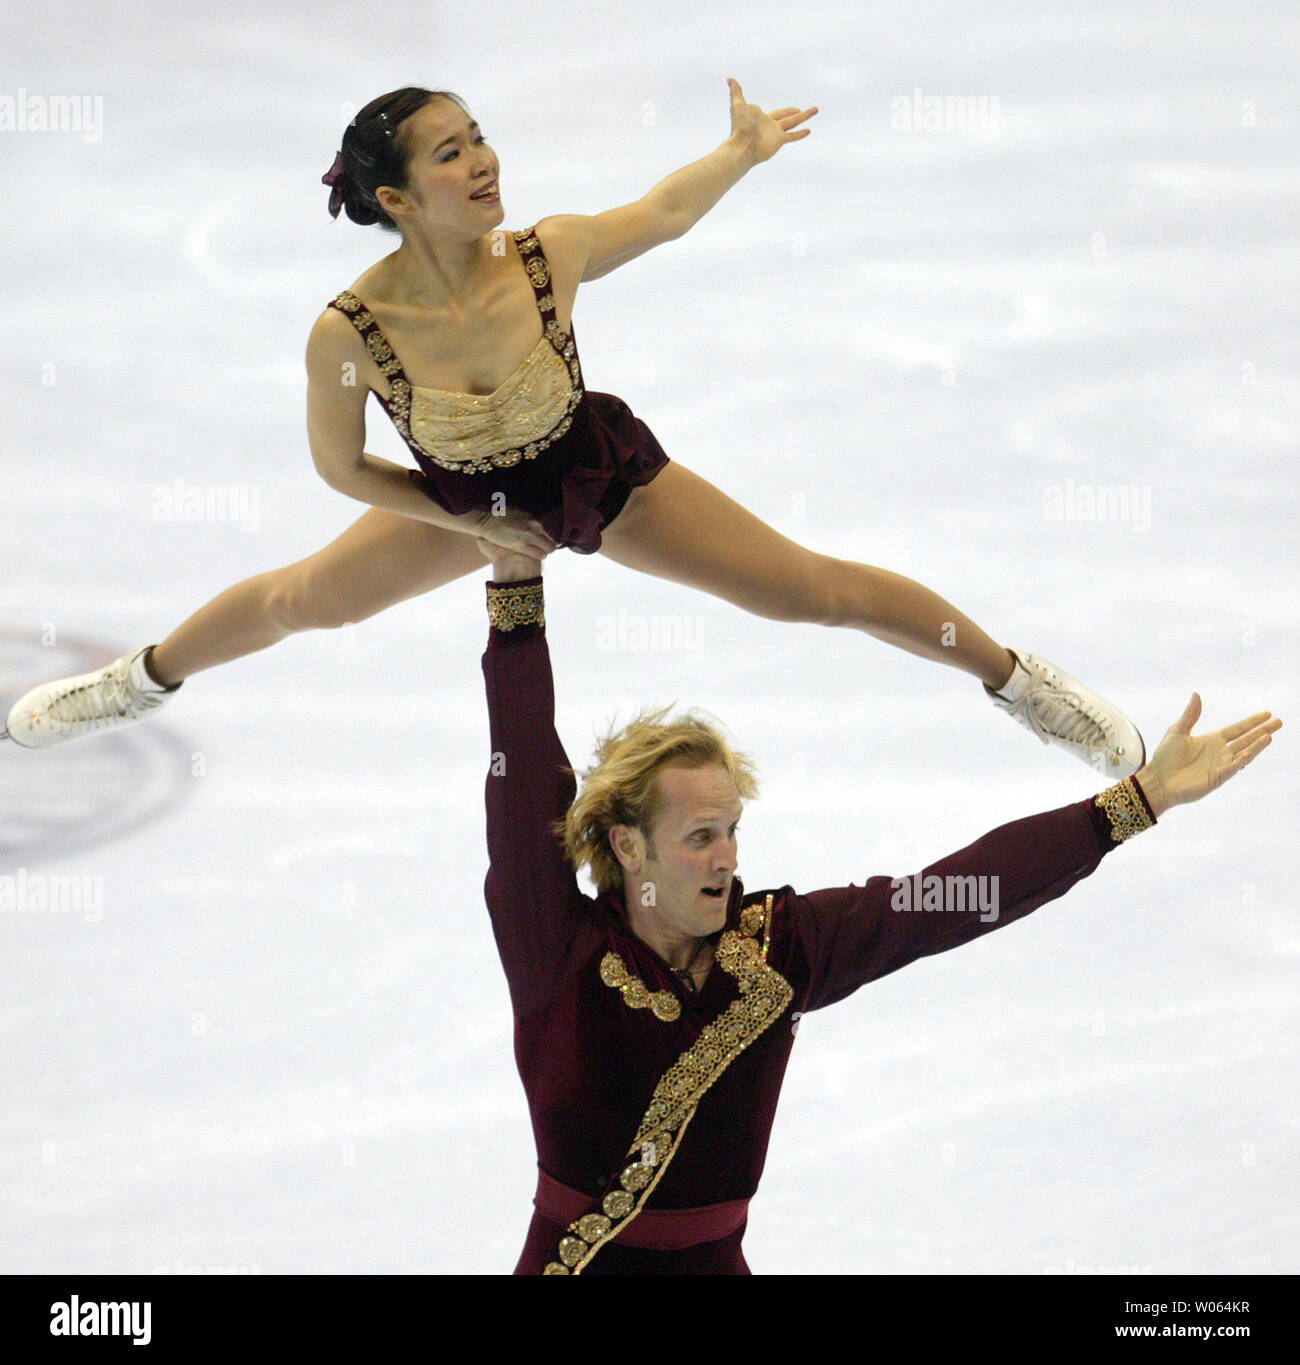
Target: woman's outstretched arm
{"points": [[602, 242]]}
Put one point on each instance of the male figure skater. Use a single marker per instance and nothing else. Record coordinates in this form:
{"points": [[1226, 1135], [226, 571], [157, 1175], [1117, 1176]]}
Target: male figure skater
{"points": [[653, 1024]]}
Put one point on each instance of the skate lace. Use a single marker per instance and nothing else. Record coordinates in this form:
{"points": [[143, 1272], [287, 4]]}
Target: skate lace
{"points": [[108, 699], [1053, 712]]}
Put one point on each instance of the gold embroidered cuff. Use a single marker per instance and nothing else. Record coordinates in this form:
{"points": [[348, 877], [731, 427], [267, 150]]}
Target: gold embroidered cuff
{"points": [[518, 604], [1125, 809]]}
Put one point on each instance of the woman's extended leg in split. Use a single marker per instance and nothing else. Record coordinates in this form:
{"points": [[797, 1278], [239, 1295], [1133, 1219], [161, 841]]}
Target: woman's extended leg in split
{"points": [[381, 559], [682, 528]]}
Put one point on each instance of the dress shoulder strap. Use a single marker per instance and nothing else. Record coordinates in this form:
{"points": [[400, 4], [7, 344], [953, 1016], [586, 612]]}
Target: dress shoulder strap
{"points": [[539, 276], [398, 403], [539, 271], [363, 320]]}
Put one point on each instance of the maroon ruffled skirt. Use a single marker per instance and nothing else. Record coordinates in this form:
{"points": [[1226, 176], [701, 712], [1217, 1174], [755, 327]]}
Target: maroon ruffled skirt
{"points": [[575, 487]]}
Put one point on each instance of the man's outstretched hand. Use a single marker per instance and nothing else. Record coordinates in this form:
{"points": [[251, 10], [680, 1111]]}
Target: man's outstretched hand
{"points": [[1186, 767], [509, 566]]}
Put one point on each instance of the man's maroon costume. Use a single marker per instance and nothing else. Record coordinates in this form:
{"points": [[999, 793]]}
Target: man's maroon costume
{"points": [[652, 1106]]}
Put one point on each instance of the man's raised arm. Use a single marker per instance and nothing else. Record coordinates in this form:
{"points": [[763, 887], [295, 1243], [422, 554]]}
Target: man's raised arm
{"points": [[854, 934], [539, 915]]}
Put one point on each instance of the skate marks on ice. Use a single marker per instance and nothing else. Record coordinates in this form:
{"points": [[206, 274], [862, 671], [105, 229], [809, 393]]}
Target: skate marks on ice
{"points": [[89, 791]]}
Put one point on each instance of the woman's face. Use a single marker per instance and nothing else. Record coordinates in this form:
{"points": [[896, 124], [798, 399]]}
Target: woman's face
{"points": [[449, 162]]}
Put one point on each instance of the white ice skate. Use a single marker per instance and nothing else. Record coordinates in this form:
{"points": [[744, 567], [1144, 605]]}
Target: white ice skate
{"points": [[121, 693], [1061, 711]]}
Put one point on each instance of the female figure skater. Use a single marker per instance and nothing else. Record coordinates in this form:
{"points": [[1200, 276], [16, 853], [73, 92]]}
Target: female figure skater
{"points": [[511, 449]]}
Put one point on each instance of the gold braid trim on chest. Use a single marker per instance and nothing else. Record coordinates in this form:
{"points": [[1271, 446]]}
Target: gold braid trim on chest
{"points": [[636, 994], [764, 996]]}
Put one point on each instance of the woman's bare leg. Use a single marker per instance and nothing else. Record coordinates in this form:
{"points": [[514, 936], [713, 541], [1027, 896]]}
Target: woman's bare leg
{"points": [[682, 528], [381, 559]]}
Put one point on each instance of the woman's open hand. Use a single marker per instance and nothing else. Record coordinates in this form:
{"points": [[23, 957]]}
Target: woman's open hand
{"points": [[763, 135], [515, 531], [1186, 767], [507, 566]]}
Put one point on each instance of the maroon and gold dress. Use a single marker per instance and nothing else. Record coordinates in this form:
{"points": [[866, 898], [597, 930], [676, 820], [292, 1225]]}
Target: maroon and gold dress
{"points": [[540, 443], [652, 1106]]}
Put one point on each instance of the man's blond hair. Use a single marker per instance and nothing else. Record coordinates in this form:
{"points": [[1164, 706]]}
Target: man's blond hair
{"points": [[620, 788]]}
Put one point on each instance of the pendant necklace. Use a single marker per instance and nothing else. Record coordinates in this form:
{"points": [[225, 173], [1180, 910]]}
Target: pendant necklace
{"points": [[683, 974]]}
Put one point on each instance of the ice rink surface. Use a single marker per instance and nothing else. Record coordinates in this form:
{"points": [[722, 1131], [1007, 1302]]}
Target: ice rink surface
{"points": [[276, 1034]]}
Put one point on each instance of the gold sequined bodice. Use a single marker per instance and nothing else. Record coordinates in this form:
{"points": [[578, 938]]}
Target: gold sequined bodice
{"points": [[475, 427], [473, 433]]}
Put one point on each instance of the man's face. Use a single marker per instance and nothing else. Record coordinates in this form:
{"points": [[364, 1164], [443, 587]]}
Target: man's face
{"points": [[681, 875]]}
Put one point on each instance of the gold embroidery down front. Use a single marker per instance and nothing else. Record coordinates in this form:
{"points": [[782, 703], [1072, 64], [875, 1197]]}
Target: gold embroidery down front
{"points": [[764, 996]]}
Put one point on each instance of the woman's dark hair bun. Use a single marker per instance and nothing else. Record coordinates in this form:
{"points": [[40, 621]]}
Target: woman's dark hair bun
{"points": [[375, 151]]}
